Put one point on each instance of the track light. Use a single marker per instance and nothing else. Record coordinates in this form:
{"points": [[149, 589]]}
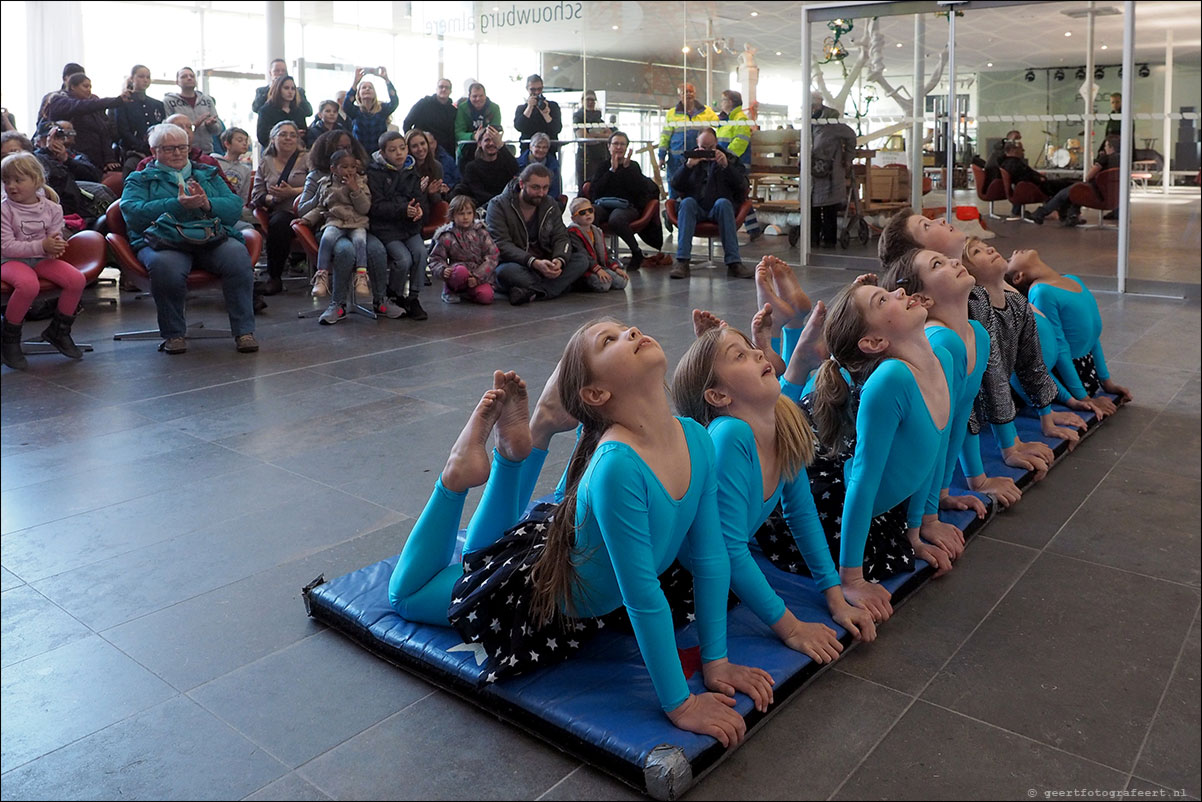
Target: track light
{"points": [[1099, 74], [1059, 75], [1120, 71], [1144, 71], [1030, 76], [1080, 73]]}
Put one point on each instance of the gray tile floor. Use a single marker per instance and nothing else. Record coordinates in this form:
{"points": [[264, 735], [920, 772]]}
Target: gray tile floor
{"points": [[160, 515]]}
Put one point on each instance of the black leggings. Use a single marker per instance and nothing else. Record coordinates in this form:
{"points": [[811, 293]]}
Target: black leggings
{"points": [[279, 241]]}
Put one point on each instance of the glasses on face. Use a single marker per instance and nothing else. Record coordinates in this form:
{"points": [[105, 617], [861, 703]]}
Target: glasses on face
{"points": [[585, 210], [444, 87], [172, 148]]}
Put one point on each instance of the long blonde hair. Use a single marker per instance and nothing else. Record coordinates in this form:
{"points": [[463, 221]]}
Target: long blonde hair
{"points": [[845, 327], [376, 105], [695, 374], [554, 575]]}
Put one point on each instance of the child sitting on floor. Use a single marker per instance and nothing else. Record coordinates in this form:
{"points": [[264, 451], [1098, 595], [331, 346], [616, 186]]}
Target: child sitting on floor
{"points": [[604, 273], [31, 242], [343, 201], [464, 256]]}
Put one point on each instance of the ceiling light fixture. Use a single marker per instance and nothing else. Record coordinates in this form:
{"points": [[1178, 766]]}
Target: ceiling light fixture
{"points": [[1068, 33], [1105, 47], [988, 63], [779, 53], [1030, 76], [1099, 73], [755, 13], [615, 27], [685, 49], [1080, 73], [1144, 71], [899, 44], [1059, 75]]}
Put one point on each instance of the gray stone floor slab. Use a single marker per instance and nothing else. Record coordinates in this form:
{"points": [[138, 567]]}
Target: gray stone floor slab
{"points": [[1171, 755], [1075, 657], [32, 624], [289, 787]]}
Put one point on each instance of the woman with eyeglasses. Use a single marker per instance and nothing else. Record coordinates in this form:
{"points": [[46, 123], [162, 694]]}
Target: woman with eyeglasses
{"points": [[278, 181]]}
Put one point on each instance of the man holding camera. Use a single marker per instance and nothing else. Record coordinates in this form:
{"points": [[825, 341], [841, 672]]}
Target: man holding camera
{"points": [[537, 115], [710, 185]]}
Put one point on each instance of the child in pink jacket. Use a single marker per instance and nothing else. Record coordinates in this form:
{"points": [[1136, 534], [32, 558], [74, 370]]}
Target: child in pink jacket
{"points": [[31, 240], [464, 255]]}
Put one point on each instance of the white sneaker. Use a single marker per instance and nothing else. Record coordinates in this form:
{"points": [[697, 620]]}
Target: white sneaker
{"points": [[450, 297], [321, 284]]}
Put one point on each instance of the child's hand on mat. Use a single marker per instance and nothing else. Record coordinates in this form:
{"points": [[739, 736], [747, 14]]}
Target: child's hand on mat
{"points": [[1001, 488], [1103, 406], [945, 536], [1016, 457], [864, 594], [1117, 389], [1065, 419], [1034, 448], [950, 502], [935, 556], [723, 676], [711, 714], [855, 620], [816, 641]]}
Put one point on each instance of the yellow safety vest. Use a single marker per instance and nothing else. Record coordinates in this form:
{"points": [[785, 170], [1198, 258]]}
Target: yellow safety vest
{"points": [[735, 137], [677, 140]]}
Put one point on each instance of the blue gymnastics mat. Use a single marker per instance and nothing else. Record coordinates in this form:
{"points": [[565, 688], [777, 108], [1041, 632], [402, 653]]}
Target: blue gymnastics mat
{"points": [[600, 706]]}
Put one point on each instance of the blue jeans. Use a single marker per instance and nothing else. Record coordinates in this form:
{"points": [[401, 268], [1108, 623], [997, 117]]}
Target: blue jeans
{"points": [[408, 264], [330, 235], [513, 274], [169, 284], [689, 213], [344, 268], [1060, 203]]}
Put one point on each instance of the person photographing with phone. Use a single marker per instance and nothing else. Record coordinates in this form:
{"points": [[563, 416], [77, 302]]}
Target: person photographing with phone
{"points": [[369, 117], [710, 185], [538, 115]]}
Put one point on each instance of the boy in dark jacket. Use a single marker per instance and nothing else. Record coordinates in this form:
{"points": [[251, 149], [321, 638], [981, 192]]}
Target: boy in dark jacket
{"points": [[398, 205]]}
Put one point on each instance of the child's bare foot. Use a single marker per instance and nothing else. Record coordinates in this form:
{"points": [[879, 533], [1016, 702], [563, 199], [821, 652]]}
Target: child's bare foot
{"points": [[468, 465], [765, 293], [513, 429], [810, 349], [761, 337], [549, 416], [704, 320], [789, 289]]}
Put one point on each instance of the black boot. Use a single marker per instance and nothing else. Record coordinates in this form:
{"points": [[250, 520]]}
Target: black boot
{"points": [[13, 356], [58, 334]]}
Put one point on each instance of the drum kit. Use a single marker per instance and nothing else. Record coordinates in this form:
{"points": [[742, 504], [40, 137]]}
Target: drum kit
{"points": [[1066, 157]]}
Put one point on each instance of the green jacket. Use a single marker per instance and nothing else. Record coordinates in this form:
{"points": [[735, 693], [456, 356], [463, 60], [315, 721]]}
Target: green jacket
{"points": [[152, 191]]}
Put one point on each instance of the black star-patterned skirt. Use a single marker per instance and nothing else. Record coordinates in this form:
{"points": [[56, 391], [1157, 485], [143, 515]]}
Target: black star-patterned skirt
{"points": [[886, 552], [1088, 373], [490, 604]]}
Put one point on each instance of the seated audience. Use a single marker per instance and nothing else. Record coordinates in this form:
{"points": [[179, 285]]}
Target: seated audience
{"points": [[434, 113], [540, 152], [603, 272], [134, 118], [1014, 162], [450, 168], [174, 189], [399, 203], [710, 188], [282, 104], [1070, 213], [66, 171], [538, 116], [427, 166], [536, 255], [236, 169], [200, 109], [369, 118], [69, 69], [464, 256], [588, 122], [489, 173], [31, 242], [620, 191], [278, 182], [87, 113]]}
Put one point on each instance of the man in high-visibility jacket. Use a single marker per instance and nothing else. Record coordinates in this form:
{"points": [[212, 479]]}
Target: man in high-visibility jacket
{"points": [[734, 133], [675, 139]]}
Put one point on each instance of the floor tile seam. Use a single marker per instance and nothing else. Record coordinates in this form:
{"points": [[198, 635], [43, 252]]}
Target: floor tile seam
{"points": [[1177, 583], [1124, 772], [1163, 693], [1159, 784], [836, 668], [217, 716], [867, 754], [559, 782], [300, 768]]}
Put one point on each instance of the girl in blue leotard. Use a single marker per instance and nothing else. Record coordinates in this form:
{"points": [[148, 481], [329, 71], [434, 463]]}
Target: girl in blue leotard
{"points": [[1073, 313], [904, 389], [640, 493], [762, 443]]}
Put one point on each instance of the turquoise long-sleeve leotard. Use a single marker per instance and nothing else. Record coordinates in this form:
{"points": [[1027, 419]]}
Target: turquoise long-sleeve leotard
{"points": [[1049, 346], [966, 388], [743, 510], [900, 453], [628, 532], [1078, 329]]}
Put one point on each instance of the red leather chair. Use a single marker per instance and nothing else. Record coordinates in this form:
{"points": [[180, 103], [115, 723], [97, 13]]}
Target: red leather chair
{"points": [[440, 214], [135, 273], [86, 252], [706, 228], [1023, 193], [991, 194], [1102, 194], [650, 212]]}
